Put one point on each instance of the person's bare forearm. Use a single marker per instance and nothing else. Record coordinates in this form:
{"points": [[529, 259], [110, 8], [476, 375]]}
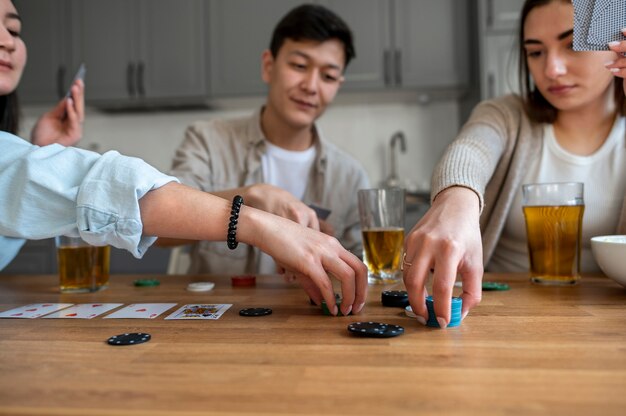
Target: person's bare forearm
{"points": [[181, 215]]}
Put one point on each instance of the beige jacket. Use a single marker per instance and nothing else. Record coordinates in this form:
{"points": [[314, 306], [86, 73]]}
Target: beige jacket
{"points": [[226, 154], [489, 156]]}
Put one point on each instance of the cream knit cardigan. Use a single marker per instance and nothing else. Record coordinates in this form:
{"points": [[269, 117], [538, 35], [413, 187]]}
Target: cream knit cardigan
{"points": [[490, 156]]}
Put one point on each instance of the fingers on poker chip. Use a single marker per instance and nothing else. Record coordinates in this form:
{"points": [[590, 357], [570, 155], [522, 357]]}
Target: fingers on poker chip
{"points": [[146, 282], [489, 286], [395, 298], [129, 339], [409, 312], [242, 281], [255, 312], [200, 286], [375, 329], [456, 305]]}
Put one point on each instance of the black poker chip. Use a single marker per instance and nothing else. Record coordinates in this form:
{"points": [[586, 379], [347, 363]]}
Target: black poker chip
{"points": [[255, 312], [375, 329], [395, 298], [129, 339]]}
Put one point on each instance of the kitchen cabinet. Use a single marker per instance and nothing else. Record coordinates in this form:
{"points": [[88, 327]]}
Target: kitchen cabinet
{"points": [[399, 43], [141, 51], [46, 33], [239, 34], [498, 31]]}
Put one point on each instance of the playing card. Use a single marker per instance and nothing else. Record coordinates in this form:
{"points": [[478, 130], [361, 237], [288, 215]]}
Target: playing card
{"points": [[200, 312], [34, 310], [598, 22], [322, 213], [84, 310], [141, 311]]}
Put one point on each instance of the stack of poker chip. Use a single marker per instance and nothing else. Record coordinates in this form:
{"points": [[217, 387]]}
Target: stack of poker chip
{"points": [[455, 312]]}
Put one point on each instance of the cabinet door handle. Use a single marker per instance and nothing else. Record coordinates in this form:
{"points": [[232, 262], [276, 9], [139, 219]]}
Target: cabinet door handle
{"points": [[387, 66], [60, 81], [130, 79], [140, 85], [398, 64]]}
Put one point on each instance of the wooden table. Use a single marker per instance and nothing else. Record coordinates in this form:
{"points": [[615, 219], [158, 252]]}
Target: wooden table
{"points": [[529, 350]]}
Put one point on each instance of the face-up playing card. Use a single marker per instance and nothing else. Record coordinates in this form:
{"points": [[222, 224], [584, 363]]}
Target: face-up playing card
{"points": [[141, 311], [34, 310], [598, 22], [200, 312], [84, 310]]}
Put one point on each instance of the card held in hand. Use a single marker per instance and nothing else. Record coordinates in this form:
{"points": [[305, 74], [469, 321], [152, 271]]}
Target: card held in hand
{"points": [[598, 22]]}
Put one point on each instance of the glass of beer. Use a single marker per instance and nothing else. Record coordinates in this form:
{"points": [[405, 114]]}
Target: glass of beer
{"points": [[554, 216], [382, 223], [82, 267]]}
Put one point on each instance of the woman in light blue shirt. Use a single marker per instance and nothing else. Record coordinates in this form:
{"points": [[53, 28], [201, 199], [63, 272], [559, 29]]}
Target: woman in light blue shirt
{"points": [[122, 201]]}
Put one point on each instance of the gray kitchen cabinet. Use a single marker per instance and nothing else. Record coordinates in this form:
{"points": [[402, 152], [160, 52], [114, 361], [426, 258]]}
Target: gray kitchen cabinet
{"points": [[46, 33], [370, 21], [399, 43], [498, 25], [431, 44], [239, 33], [141, 51]]}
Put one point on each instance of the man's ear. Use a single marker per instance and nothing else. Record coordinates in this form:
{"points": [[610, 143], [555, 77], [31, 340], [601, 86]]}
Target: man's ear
{"points": [[267, 65]]}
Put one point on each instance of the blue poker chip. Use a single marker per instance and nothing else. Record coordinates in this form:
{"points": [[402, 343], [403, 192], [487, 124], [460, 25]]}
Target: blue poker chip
{"points": [[456, 305]]}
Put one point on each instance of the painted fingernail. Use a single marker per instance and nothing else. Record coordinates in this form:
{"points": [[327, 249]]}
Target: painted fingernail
{"points": [[347, 311], [614, 43], [609, 63], [335, 310], [442, 323], [421, 320], [614, 70], [359, 308], [464, 315]]}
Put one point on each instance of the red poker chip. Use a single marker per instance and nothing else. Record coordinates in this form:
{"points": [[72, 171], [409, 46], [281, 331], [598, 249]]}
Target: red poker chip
{"points": [[246, 280]]}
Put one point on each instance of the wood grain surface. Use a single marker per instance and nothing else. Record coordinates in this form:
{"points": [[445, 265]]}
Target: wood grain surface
{"points": [[530, 350]]}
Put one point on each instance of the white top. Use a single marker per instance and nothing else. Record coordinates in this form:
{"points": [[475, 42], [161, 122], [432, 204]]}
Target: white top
{"points": [[604, 176], [288, 170]]}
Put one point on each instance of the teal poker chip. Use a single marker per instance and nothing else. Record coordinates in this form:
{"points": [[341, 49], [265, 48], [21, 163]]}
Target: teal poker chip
{"points": [[456, 305], [146, 282], [489, 286]]}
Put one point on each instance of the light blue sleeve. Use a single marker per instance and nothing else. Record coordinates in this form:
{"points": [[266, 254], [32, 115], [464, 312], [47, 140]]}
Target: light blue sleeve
{"points": [[55, 190]]}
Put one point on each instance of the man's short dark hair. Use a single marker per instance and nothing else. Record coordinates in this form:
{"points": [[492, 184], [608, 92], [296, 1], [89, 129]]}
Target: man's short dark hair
{"points": [[312, 22]]}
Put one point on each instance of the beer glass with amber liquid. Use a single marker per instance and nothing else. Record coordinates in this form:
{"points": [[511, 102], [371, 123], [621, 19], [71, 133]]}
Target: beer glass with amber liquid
{"points": [[82, 267], [554, 215], [381, 213]]}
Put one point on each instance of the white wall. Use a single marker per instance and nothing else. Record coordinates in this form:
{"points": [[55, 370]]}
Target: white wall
{"points": [[361, 125]]}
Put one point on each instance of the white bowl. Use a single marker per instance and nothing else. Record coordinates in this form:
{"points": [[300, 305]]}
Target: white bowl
{"points": [[610, 253]]}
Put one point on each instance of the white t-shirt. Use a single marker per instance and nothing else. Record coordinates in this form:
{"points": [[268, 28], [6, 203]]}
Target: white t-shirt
{"points": [[604, 176], [288, 170]]}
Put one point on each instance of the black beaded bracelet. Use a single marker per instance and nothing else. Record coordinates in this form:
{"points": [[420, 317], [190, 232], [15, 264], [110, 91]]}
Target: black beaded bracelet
{"points": [[231, 238]]}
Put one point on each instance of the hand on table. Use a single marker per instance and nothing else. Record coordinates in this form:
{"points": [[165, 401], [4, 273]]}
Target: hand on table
{"points": [[64, 123], [447, 239], [313, 258]]}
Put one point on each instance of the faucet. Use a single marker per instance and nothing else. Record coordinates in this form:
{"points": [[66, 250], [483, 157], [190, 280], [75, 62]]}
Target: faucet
{"points": [[392, 179]]}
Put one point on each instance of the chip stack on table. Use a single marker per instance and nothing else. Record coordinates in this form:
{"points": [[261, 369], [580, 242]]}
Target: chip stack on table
{"points": [[242, 281], [455, 312], [395, 298]]}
